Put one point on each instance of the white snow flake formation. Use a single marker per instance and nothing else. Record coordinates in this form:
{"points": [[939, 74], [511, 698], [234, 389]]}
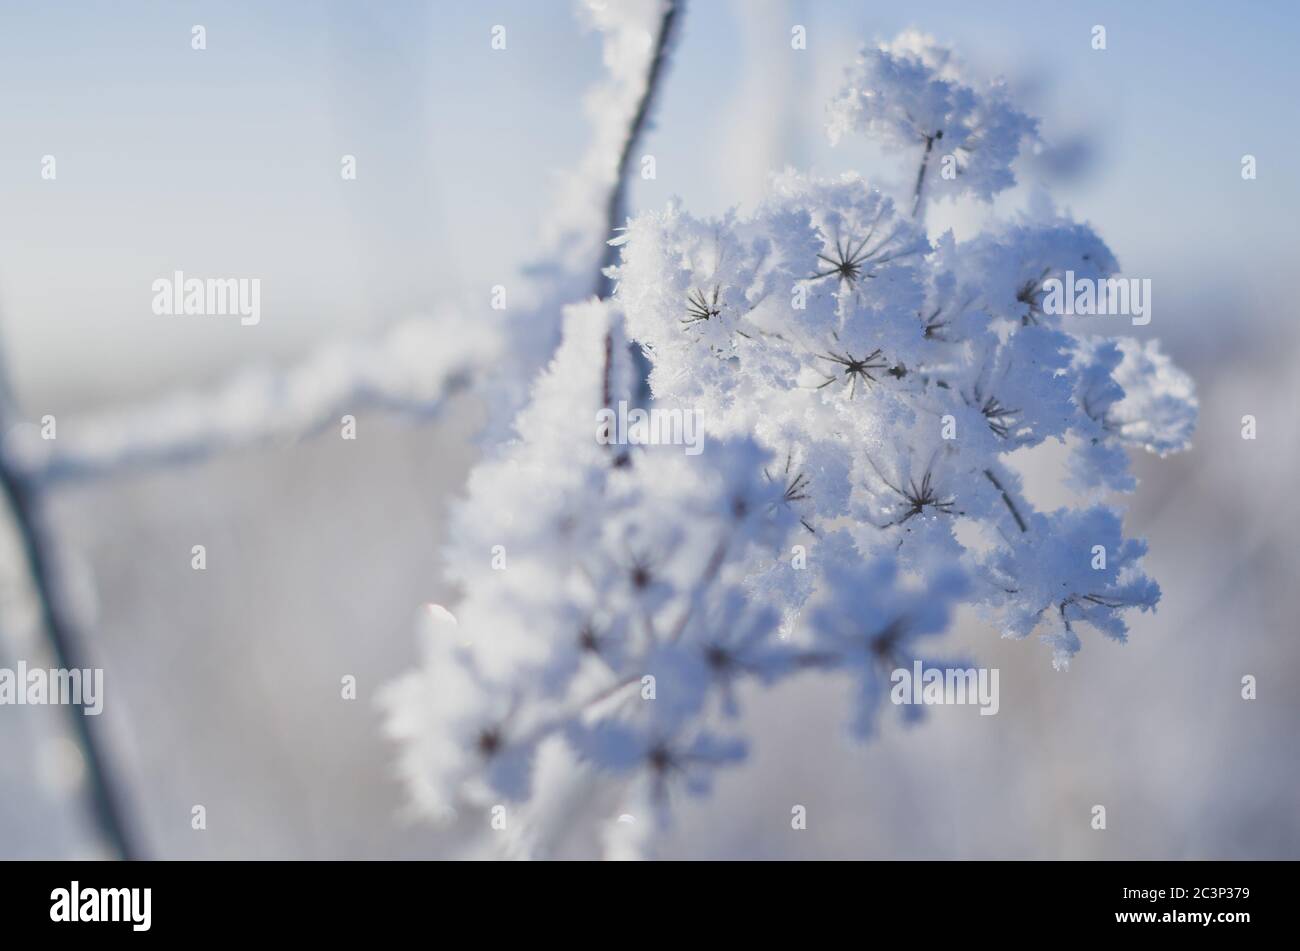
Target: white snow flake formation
{"points": [[862, 385]]}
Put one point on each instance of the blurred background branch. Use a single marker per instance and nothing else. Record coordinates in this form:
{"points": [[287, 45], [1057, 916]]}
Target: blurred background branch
{"points": [[23, 497]]}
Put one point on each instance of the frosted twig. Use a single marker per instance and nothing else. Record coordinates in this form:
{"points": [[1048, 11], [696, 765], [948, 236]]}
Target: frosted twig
{"points": [[411, 370]]}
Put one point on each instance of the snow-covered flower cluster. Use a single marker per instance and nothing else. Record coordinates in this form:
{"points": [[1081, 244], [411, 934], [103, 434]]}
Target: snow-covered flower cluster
{"points": [[863, 387], [911, 95]]}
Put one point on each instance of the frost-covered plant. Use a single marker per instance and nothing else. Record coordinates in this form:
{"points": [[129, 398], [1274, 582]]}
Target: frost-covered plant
{"points": [[911, 95], [863, 387]]}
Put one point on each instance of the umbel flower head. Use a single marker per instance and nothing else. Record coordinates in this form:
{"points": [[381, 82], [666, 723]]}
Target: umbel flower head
{"points": [[862, 388], [912, 95]]}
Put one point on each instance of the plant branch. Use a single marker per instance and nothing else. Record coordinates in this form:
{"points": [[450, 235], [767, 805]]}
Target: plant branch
{"points": [[616, 207], [105, 803], [920, 175], [409, 371], [1015, 513]]}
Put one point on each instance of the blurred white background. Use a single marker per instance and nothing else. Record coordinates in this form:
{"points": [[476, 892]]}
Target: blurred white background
{"points": [[223, 685]]}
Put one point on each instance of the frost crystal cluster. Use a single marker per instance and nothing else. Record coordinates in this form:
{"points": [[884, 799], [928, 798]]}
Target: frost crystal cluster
{"points": [[863, 386]]}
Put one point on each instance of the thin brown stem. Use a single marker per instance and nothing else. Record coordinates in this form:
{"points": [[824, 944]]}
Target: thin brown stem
{"points": [[1006, 497], [920, 174]]}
